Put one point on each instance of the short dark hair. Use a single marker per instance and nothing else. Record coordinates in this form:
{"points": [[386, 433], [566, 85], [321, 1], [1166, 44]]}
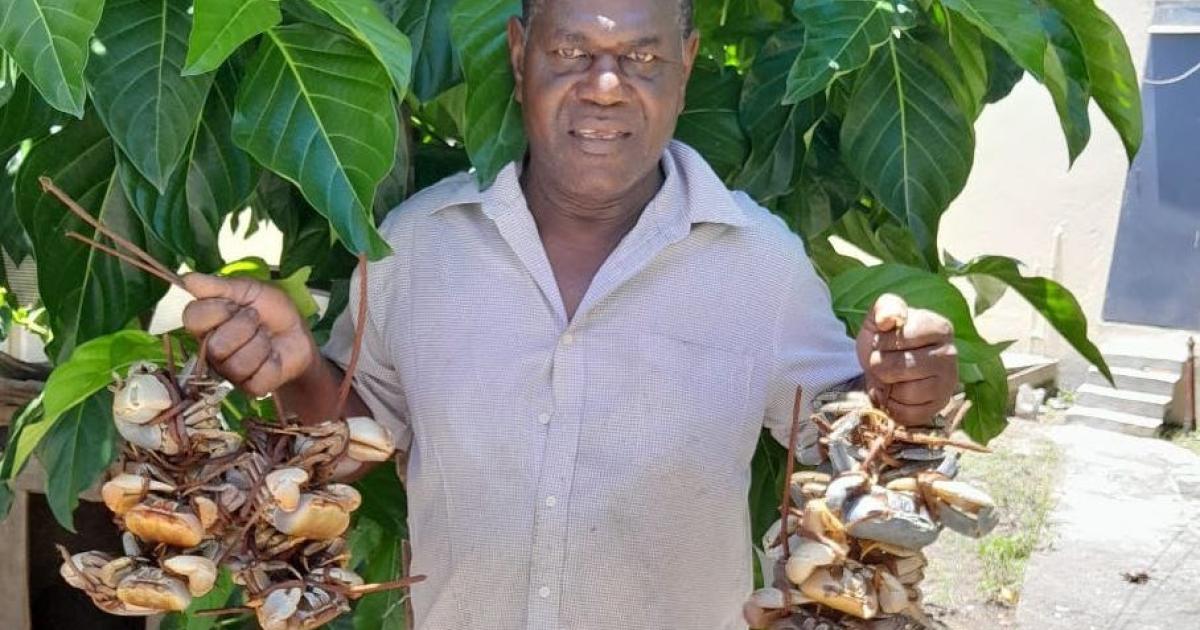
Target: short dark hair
{"points": [[530, 8]]}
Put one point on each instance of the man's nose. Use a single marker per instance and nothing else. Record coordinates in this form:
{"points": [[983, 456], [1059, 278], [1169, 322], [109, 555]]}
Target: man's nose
{"points": [[605, 82]]}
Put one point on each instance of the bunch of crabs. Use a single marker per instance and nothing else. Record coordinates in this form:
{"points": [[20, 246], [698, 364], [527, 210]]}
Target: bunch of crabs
{"points": [[848, 547], [191, 495]]}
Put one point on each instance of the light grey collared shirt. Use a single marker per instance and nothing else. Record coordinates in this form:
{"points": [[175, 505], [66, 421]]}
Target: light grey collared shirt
{"points": [[588, 474]]}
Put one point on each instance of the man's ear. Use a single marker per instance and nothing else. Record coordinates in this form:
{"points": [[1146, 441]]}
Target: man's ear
{"points": [[516, 52], [691, 47]]}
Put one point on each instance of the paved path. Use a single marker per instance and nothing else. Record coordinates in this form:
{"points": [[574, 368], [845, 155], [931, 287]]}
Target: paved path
{"points": [[1125, 504]]}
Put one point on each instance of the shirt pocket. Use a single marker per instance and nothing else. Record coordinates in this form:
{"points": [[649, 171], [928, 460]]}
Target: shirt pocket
{"points": [[700, 393]]}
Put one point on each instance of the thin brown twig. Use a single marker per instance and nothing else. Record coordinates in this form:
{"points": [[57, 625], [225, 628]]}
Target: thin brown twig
{"points": [[74, 207], [359, 332], [785, 506], [405, 571], [169, 354], [220, 612], [154, 271]]}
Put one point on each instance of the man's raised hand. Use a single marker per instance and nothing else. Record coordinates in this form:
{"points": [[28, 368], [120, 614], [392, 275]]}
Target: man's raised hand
{"points": [[256, 337], [909, 359]]}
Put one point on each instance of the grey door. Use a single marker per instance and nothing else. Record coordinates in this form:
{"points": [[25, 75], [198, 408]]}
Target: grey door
{"points": [[1155, 274]]}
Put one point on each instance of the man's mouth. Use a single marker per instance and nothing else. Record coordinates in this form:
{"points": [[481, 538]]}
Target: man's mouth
{"points": [[599, 134]]}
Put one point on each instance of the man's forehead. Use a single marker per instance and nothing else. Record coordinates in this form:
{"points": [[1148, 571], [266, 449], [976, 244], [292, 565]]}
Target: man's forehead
{"points": [[629, 19]]}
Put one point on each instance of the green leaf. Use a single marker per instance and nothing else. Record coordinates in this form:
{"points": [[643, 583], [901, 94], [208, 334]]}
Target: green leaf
{"points": [[1049, 298], [253, 267], [149, 108], [189, 231], [316, 108], [840, 36], [1066, 78], [13, 239], [220, 26], [907, 139], [888, 241], [25, 116], [7, 495], [494, 131], [827, 261], [49, 41], [381, 523], [767, 472], [966, 46], [364, 19], [979, 365], [1110, 69], [90, 369], [219, 597], [1003, 73], [427, 24], [1013, 24], [75, 452], [24, 434], [709, 122], [220, 176], [87, 294], [776, 131], [395, 187]]}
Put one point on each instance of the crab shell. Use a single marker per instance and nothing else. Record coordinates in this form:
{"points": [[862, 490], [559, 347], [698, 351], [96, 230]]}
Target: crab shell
{"points": [[123, 492], [767, 605], [161, 522], [284, 486], [845, 487], [319, 515], [89, 562], [200, 572], [141, 397], [850, 593], [150, 587], [278, 608], [808, 557], [893, 595], [153, 436], [891, 517], [964, 508], [369, 440]]}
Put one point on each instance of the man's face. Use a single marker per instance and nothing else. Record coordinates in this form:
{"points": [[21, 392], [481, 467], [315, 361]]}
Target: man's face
{"points": [[602, 85]]}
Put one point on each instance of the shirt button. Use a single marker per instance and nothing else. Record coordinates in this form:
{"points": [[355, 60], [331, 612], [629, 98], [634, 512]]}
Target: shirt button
{"points": [[544, 418], [568, 339], [551, 501], [544, 592]]}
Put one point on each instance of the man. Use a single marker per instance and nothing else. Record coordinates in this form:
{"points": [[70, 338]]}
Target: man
{"points": [[578, 360]]}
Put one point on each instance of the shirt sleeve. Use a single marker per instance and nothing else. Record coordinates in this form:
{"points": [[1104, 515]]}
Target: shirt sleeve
{"points": [[376, 379], [812, 351]]}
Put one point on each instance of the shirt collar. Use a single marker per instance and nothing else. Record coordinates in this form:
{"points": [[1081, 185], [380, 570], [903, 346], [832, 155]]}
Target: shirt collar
{"points": [[691, 193]]}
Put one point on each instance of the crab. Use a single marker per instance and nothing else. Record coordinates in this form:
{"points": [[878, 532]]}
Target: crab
{"points": [[97, 574], [150, 411], [171, 522]]}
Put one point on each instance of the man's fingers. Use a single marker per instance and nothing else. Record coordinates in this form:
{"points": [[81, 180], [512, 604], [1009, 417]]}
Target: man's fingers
{"points": [[913, 415], [201, 316], [289, 357], [233, 334], [899, 366], [916, 393], [923, 328], [240, 290], [244, 363], [889, 313]]}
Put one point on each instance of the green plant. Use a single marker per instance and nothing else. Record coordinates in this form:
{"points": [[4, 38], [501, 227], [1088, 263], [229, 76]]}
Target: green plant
{"points": [[848, 118]]}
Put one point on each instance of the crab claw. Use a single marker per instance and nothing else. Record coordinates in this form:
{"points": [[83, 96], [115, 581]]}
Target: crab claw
{"points": [[808, 557], [369, 440], [200, 572], [319, 516], [278, 608], [764, 606], [284, 486], [337, 575], [140, 397], [891, 517], [850, 594], [158, 523], [893, 595], [964, 508], [150, 587], [89, 562], [123, 492]]}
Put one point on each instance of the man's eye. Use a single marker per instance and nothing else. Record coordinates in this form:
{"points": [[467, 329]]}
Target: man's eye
{"points": [[642, 57], [571, 53]]}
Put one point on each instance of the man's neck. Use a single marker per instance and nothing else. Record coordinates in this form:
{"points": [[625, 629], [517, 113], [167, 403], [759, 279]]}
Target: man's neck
{"points": [[561, 215]]}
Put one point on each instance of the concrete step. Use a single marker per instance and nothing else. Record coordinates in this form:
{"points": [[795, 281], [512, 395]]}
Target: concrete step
{"points": [[1136, 362], [1127, 423], [1157, 382], [1123, 400]]}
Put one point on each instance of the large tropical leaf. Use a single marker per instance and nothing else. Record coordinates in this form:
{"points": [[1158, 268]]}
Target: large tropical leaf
{"points": [[979, 365], [776, 131], [967, 49], [427, 24], [1110, 69], [316, 108], [26, 115], [709, 122], [49, 41], [1014, 24], [90, 369], [364, 19], [395, 188], [1066, 78], [220, 175], [840, 35], [189, 231], [149, 108], [494, 130], [220, 26], [1049, 298], [905, 136], [75, 452], [87, 294]]}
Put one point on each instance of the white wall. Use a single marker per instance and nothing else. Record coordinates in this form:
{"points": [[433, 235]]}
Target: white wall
{"points": [[1021, 194]]}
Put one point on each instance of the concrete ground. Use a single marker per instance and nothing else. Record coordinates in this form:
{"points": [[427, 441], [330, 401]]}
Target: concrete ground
{"points": [[1125, 537]]}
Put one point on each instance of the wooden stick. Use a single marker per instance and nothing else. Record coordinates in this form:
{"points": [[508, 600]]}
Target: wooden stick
{"points": [[74, 207], [785, 506], [405, 571], [359, 332], [220, 612], [168, 277]]}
